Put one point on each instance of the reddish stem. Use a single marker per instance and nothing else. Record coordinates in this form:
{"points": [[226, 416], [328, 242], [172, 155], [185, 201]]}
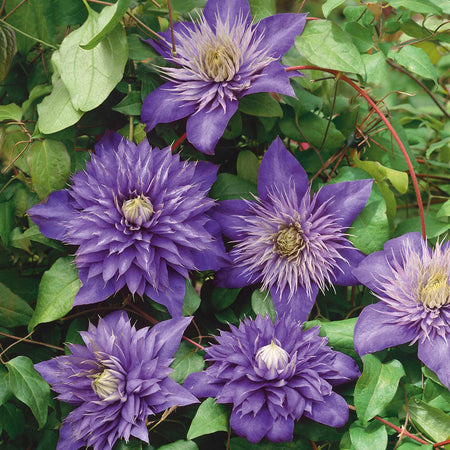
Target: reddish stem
{"points": [[440, 444], [178, 142], [395, 427], [364, 94]]}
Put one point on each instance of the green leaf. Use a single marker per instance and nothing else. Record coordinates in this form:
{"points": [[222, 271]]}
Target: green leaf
{"points": [[312, 128], [180, 445], [248, 166], [444, 210], [222, 298], [376, 387], [49, 165], [108, 19], [138, 50], [329, 5], [370, 230], [12, 420], [14, 311], [32, 19], [416, 61], [210, 417], [11, 111], [262, 8], [37, 92], [338, 332], [187, 360], [436, 395], [7, 49], [412, 445], [14, 146], [29, 387], [229, 186], [6, 221], [191, 300], [5, 388], [243, 444], [262, 304], [377, 70], [261, 104], [431, 421], [362, 36], [91, 75], [56, 111], [131, 105], [372, 437], [398, 179], [418, 6], [57, 290], [324, 44]]}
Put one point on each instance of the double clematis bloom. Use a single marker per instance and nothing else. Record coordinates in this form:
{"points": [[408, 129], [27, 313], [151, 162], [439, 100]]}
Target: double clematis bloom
{"points": [[274, 374], [116, 381], [291, 242], [412, 283], [219, 59], [139, 218]]}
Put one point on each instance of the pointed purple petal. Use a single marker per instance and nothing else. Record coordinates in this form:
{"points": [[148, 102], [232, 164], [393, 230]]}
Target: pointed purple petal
{"points": [[298, 307], [168, 335], [226, 9], [205, 174], [93, 290], [347, 199], [376, 329], [173, 298], [435, 354], [67, 440], [204, 129], [233, 277], [346, 369], [279, 32], [372, 268], [176, 395], [397, 246], [344, 270], [253, 428], [50, 216], [279, 168], [332, 412], [274, 78], [199, 383], [228, 215], [164, 105]]}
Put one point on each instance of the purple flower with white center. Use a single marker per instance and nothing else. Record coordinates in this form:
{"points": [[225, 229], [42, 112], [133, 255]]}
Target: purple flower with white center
{"points": [[219, 59], [289, 241], [116, 381], [413, 285], [139, 217], [274, 374]]}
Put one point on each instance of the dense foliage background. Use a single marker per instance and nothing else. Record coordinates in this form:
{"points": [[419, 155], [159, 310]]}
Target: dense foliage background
{"points": [[51, 117]]}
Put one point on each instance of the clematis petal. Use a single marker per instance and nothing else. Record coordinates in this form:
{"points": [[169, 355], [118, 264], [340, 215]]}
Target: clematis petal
{"points": [[377, 329], [205, 128], [333, 411], [252, 427], [435, 354], [227, 10]]}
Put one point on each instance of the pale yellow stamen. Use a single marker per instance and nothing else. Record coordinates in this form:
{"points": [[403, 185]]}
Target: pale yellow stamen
{"points": [[137, 210], [105, 384], [436, 291], [273, 356], [289, 242]]}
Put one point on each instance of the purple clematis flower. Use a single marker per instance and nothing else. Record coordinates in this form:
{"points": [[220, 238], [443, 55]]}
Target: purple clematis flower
{"points": [[139, 218], [219, 59], [413, 284], [116, 381], [291, 242], [274, 374]]}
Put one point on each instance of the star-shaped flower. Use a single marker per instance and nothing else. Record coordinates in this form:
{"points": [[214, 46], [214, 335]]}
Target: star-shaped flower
{"points": [[219, 59], [292, 242], [413, 285]]}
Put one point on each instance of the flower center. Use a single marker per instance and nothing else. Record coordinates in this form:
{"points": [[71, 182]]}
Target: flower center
{"points": [[273, 356], [137, 210], [436, 292], [219, 62], [105, 384], [289, 241]]}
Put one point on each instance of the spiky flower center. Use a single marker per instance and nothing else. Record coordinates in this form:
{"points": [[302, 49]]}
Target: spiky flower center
{"points": [[105, 384], [436, 291], [273, 356], [288, 242], [137, 210], [221, 62]]}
